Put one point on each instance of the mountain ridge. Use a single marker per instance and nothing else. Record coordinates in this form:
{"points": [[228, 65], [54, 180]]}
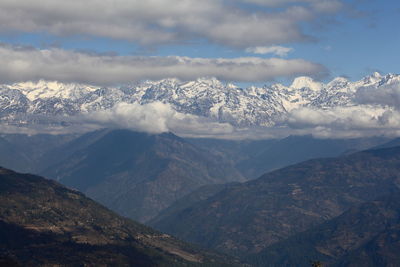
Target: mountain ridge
{"points": [[44, 223], [354, 238], [248, 217], [137, 174], [253, 106]]}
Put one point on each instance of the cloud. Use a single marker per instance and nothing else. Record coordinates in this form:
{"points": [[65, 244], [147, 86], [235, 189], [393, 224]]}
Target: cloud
{"points": [[345, 122], [324, 6], [276, 50], [375, 112], [155, 22], [155, 117], [152, 118], [386, 95], [25, 64], [327, 6], [339, 122]]}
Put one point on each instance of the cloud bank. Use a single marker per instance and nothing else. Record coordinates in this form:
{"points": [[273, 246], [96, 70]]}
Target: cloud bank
{"points": [[339, 122], [27, 64], [375, 112], [345, 122], [155, 117], [155, 22], [387, 95]]}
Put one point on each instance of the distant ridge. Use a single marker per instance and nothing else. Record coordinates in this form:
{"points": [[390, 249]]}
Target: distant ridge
{"points": [[246, 218], [137, 174]]}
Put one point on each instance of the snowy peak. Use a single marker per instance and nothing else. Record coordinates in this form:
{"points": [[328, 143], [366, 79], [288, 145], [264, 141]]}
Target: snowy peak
{"points": [[52, 89], [338, 81], [305, 82], [205, 97], [376, 75], [373, 78], [389, 79]]}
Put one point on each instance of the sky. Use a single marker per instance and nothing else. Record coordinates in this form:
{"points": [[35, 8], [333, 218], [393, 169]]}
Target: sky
{"points": [[109, 42], [245, 42]]}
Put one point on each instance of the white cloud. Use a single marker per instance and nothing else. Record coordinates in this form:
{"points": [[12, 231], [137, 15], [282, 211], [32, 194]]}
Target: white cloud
{"points": [[276, 50], [165, 21], [323, 6], [345, 122], [152, 118], [327, 6], [24, 64], [155, 118], [386, 95], [378, 115]]}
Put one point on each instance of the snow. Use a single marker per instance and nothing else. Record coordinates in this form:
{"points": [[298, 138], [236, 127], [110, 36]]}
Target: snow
{"points": [[306, 82], [207, 97]]}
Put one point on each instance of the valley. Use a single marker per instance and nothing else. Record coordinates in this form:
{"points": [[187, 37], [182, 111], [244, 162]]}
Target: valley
{"points": [[213, 133]]}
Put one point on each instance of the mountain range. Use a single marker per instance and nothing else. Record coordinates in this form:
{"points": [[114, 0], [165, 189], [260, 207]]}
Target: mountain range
{"points": [[136, 174], [236, 196], [365, 235], [45, 224], [35, 102], [340, 211], [254, 158], [244, 219], [28, 153]]}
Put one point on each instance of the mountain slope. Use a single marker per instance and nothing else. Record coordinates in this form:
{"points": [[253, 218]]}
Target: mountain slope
{"points": [[365, 235], [138, 174], [44, 223], [392, 143], [25, 153], [294, 149], [256, 157], [190, 200], [248, 217], [12, 157]]}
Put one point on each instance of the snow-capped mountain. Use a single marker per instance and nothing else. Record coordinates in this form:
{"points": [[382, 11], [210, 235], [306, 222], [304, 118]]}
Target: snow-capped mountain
{"points": [[253, 106]]}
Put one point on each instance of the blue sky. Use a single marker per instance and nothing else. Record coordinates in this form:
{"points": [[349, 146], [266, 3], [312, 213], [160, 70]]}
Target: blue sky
{"points": [[326, 38]]}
